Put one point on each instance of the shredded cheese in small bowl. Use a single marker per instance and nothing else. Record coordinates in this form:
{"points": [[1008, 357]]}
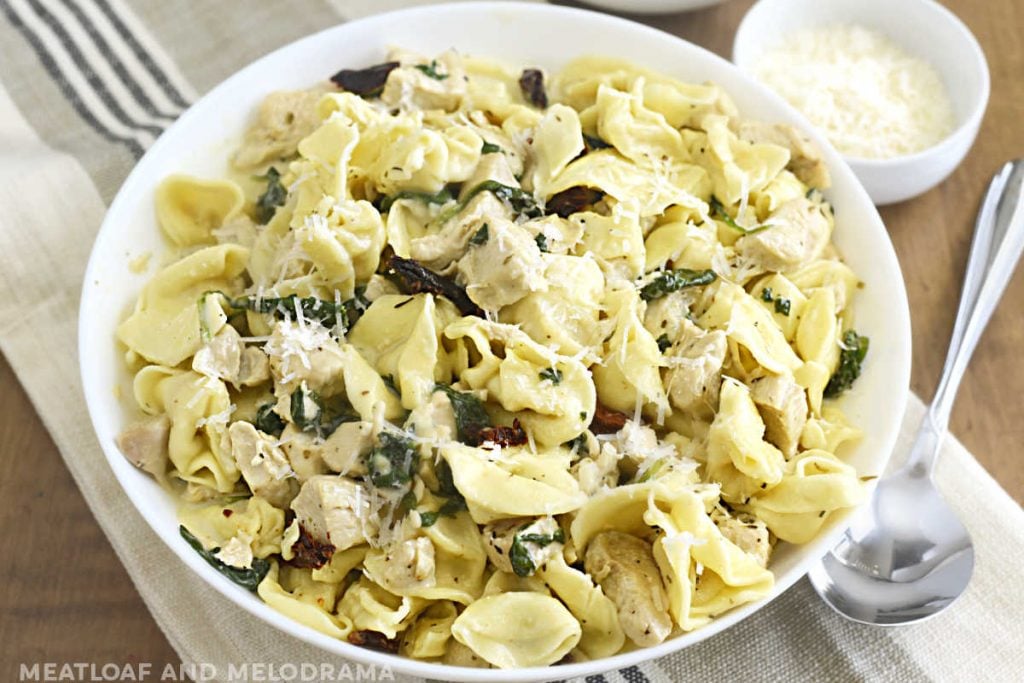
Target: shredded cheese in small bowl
{"points": [[865, 93]]}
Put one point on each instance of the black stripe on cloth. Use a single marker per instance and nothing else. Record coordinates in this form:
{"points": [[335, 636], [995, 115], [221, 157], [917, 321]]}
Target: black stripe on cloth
{"points": [[51, 68], [117, 65], [633, 675], [140, 53], [599, 678], [86, 70]]}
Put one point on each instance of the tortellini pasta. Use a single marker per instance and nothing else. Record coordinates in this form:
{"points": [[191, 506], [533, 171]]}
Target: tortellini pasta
{"points": [[498, 368]]}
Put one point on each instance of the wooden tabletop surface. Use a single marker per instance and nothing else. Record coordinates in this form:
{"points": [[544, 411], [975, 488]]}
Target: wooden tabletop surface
{"points": [[64, 596]]}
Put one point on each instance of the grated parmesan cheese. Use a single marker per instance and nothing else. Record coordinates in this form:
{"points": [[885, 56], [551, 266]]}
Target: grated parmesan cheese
{"points": [[865, 93]]}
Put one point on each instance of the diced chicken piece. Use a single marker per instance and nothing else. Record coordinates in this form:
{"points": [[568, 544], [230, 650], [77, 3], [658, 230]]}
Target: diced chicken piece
{"points": [[600, 472], [284, 118], [557, 235], [144, 444], [254, 368], [438, 250], [666, 315], [695, 368], [805, 157], [237, 552], [799, 233], [343, 450], [746, 532], [782, 404], [221, 357], [262, 463], [504, 269], [434, 419], [304, 354], [500, 536], [624, 567], [439, 84], [335, 510], [410, 564], [304, 452], [227, 358]]}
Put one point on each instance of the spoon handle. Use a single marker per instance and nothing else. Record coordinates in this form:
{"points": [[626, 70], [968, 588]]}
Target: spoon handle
{"points": [[995, 249]]}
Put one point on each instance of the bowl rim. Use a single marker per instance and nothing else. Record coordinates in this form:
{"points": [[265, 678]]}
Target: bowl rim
{"points": [[137, 182], [965, 129]]}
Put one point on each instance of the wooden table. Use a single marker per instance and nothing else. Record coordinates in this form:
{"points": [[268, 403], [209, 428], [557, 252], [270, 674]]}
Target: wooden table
{"points": [[65, 597]]}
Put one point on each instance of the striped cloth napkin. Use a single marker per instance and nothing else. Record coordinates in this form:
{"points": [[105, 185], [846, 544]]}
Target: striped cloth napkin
{"points": [[87, 85]]}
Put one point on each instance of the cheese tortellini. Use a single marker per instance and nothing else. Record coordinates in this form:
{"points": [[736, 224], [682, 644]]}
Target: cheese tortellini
{"points": [[498, 368]]}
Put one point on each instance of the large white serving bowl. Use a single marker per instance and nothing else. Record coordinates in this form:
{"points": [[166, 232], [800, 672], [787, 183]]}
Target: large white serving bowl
{"points": [[923, 28], [522, 34]]}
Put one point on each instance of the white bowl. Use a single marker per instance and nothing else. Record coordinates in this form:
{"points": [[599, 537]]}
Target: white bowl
{"points": [[545, 35], [923, 28], [652, 6]]}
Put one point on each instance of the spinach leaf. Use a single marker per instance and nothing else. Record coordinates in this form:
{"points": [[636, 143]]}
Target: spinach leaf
{"points": [[673, 280], [368, 82], [442, 196], [542, 241], [519, 554], [783, 305], [306, 408], [766, 294], [267, 421], [480, 238], [664, 343], [855, 349], [522, 202], [490, 148], [274, 196], [431, 70], [470, 416], [246, 578], [451, 507], [327, 313], [719, 211], [553, 374], [391, 463], [311, 413]]}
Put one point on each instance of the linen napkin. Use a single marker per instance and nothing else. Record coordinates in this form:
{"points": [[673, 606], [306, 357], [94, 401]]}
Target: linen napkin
{"points": [[87, 86]]}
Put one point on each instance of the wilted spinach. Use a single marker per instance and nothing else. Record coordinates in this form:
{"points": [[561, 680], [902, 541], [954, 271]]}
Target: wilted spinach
{"points": [[246, 578], [851, 358], [392, 462], [274, 196], [673, 280]]}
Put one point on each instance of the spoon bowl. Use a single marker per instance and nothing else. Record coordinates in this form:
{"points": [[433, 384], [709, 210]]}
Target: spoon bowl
{"points": [[906, 556]]}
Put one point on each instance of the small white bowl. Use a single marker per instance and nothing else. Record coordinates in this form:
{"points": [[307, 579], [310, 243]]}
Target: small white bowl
{"points": [[923, 28], [652, 6]]}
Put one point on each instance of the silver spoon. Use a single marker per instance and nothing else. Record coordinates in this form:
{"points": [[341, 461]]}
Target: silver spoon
{"points": [[907, 557]]}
